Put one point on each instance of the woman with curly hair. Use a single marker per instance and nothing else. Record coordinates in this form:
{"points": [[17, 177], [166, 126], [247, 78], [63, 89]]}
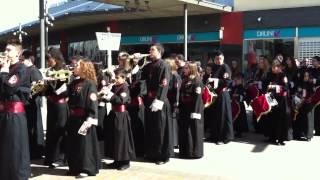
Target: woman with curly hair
{"points": [[82, 143]]}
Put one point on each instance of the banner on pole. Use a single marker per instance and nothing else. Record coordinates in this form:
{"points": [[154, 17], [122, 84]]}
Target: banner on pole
{"points": [[108, 41]]}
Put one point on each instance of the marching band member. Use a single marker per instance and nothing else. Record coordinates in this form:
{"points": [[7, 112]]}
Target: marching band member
{"points": [[207, 118], [158, 125], [119, 144], [259, 81], [82, 144], [173, 97], [136, 107], [103, 80], [33, 109], [14, 91], [278, 121], [240, 124], [191, 114], [316, 82], [221, 113], [303, 119], [57, 112]]}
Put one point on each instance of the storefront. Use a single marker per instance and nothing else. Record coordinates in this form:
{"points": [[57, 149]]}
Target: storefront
{"points": [[299, 42], [269, 42], [200, 47]]}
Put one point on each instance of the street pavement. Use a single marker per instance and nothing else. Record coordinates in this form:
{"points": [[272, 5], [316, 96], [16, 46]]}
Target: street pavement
{"points": [[246, 158]]}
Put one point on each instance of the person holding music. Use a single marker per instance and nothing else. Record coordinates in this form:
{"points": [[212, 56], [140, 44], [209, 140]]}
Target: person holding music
{"points": [[57, 113], [82, 148], [14, 92], [220, 111], [191, 114], [239, 117], [158, 123], [119, 144], [278, 124]]}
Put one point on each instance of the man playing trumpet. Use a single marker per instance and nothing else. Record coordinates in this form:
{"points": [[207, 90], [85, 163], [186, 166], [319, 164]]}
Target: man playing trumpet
{"points": [[14, 91]]}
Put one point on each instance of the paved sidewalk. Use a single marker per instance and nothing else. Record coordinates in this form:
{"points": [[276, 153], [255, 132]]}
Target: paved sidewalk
{"points": [[248, 158]]}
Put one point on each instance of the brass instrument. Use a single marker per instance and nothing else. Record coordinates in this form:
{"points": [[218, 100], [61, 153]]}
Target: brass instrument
{"points": [[50, 75], [139, 59]]}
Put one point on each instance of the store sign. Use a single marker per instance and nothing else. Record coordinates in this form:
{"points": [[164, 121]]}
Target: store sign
{"points": [[170, 38], [269, 33], [309, 32]]}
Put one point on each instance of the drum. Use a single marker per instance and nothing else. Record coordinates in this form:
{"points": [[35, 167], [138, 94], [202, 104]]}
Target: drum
{"points": [[208, 96], [262, 105], [252, 92]]}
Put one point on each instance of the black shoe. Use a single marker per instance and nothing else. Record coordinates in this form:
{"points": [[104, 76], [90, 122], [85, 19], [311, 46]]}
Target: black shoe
{"points": [[282, 143], [160, 162], [317, 133], [218, 143], [226, 141], [56, 164], [123, 167], [113, 165], [82, 175]]}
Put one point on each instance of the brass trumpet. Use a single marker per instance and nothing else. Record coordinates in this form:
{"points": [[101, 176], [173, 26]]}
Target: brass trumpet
{"points": [[50, 75]]}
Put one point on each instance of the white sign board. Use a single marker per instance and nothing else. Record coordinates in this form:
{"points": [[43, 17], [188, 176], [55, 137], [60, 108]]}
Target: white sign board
{"points": [[108, 41]]}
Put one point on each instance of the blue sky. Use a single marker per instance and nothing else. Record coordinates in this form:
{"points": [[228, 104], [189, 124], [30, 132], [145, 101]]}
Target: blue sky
{"points": [[14, 12]]}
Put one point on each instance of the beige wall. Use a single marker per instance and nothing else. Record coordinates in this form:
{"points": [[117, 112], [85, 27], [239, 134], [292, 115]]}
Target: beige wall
{"points": [[247, 5]]}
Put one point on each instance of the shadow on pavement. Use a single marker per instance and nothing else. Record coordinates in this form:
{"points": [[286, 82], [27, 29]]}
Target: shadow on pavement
{"points": [[252, 138], [38, 171]]}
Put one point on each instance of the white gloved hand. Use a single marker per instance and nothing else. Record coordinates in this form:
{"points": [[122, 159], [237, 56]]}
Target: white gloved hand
{"points": [[92, 121], [195, 116], [109, 96]]}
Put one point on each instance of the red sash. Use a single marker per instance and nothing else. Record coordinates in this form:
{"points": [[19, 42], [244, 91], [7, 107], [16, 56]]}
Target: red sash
{"points": [[119, 108], [57, 99], [138, 101], [77, 112], [12, 106]]}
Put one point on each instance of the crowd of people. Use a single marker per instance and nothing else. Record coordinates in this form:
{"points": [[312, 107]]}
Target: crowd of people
{"points": [[144, 107]]}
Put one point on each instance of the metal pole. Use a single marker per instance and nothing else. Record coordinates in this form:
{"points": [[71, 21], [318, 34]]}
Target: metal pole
{"points": [[109, 51], [42, 34], [185, 31]]}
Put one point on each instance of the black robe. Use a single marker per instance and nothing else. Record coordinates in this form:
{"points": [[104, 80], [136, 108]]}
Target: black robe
{"points": [[34, 117], [136, 110], [173, 97], [82, 151], [103, 81], [316, 76], [57, 114], [221, 113], [191, 130], [14, 146], [278, 123], [158, 125], [304, 123], [119, 144], [240, 123]]}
